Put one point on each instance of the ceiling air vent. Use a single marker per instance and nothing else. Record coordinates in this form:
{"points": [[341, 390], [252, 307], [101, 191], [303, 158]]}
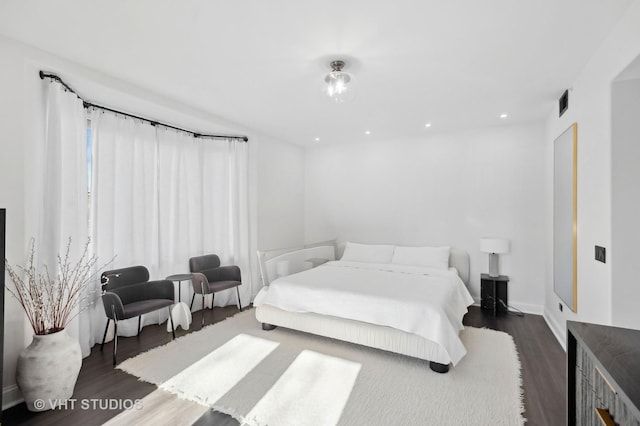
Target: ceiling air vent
{"points": [[563, 103]]}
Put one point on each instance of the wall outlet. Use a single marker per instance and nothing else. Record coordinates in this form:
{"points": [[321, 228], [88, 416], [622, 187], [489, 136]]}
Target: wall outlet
{"points": [[560, 306], [601, 254]]}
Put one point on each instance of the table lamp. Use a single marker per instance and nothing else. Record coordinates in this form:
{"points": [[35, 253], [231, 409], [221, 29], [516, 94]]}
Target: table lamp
{"points": [[494, 246]]}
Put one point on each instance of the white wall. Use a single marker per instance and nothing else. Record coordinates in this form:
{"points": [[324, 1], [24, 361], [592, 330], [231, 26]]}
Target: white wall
{"points": [[280, 195], [590, 107], [12, 178], [625, 203], [21, 123], [447, 189]]}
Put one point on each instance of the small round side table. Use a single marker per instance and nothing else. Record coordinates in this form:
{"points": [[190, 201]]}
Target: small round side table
{"points": [[180, 313]]}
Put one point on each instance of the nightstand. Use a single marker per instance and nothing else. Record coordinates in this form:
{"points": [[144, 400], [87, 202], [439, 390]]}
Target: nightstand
{"points": [[493, 291]]}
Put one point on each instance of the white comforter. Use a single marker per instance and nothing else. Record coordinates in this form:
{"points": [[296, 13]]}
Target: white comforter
{"points": [[423, 301]]}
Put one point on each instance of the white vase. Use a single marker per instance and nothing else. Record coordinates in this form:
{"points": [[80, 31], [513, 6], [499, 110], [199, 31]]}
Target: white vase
{"points": [[48, 369]]}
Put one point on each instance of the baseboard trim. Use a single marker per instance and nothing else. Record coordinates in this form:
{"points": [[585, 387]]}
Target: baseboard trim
{"points": [[527, 308], [11, 396], [557, 331]]}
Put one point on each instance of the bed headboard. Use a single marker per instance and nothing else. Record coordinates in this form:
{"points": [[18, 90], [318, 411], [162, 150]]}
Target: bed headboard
{"points": [[459, 259], [275, 263]]}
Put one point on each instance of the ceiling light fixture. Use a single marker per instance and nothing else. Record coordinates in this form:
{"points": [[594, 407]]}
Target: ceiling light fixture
{"points": [[368, 132], [338, 88], [427, 125], [503, 115]]}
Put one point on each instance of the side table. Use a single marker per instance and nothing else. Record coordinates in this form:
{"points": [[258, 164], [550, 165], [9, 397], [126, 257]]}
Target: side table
{"points": [[180, 313], [492, 291]]}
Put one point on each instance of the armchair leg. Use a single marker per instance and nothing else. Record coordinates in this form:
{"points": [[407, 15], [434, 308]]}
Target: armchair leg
{"points": [[139, 320], [104, 336], [192, 299], [115, 341], [202, 293], [173, 328], [202, 309], [239, 302]]}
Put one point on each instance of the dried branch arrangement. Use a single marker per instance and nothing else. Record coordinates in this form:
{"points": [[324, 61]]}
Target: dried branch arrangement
{"points": [[52, 302]]}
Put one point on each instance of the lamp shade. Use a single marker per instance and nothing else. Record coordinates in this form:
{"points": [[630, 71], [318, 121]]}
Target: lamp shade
{"points": [[494, 245]]}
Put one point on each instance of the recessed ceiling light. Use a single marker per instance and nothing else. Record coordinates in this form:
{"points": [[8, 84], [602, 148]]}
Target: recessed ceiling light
{"points": [[503, 115], [368, 132], [317, 139], [427, 125]]}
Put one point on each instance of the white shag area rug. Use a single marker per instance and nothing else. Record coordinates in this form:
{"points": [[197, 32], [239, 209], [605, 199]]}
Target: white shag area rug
{"points": [[283, 377]]}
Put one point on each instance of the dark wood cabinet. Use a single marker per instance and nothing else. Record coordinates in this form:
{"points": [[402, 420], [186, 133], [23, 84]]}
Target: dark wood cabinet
{"points": [[493, 293], [603, 375]]}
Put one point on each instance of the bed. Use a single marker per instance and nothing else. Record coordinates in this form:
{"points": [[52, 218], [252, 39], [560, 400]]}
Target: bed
{"points": [[407, 300]]}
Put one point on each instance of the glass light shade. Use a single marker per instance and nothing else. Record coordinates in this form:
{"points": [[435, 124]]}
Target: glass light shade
{"points": [[337, 86]]}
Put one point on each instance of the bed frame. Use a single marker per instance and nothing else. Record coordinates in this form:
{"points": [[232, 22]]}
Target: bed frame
{"points": [[379, 337]]}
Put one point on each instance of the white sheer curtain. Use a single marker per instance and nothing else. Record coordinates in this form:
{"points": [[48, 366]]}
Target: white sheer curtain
{"points": [[158, 197], [124, 200], [162, 196], [239, 252], [63, 191], [202, 187]]}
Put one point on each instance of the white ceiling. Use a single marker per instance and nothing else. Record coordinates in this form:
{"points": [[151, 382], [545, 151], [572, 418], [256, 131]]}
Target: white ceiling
{"points": [[457, 64]]}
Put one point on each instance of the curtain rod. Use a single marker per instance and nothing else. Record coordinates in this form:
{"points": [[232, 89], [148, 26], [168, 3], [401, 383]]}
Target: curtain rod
{"points": [[88, 104]]}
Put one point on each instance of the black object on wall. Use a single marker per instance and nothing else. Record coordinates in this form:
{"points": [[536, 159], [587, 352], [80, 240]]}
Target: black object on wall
{"points": [[2, 256], [563, 103]]}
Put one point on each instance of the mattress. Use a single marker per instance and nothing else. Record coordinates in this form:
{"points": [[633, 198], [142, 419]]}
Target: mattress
{"points": [[405, 301]]}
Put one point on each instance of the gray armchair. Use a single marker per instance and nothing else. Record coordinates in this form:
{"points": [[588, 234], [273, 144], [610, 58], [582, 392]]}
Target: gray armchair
{"points": [[209, 277], [128, 293]]}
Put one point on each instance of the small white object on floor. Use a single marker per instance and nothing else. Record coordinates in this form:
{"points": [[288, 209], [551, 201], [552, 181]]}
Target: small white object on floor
{"points": [[181, 316]]}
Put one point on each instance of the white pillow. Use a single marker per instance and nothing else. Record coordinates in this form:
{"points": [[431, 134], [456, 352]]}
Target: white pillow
{"points": [[370, 253], [430, 257]]}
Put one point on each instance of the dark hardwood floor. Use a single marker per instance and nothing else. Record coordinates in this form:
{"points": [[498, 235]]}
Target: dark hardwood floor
{"points": [[541, 356], [543, 363], [99, 380]]}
